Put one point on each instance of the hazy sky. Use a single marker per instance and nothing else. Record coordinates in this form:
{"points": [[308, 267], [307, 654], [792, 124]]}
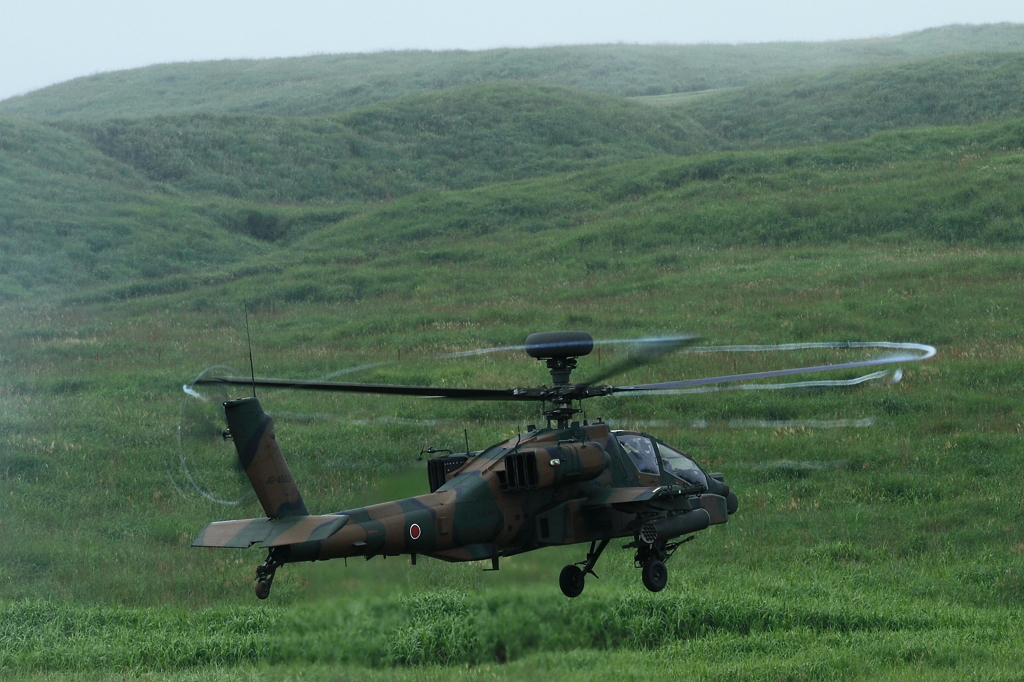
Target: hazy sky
{"points": [[48, 41]]}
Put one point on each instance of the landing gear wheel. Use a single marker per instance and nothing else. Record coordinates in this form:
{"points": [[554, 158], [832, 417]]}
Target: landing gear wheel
{"points": [[654, 575], [262, 589], [571, 581]]}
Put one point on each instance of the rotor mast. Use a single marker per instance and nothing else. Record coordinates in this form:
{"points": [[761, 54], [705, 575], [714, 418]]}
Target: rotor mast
{"points": [[560, 350]]}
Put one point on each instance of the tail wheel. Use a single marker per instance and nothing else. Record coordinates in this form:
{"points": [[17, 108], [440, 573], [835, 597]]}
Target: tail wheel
{"points": [[265, 574], [654, 575], [571, 581]]}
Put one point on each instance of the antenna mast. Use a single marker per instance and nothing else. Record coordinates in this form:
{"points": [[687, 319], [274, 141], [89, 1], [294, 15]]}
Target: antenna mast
{"points": [[248, 340]]}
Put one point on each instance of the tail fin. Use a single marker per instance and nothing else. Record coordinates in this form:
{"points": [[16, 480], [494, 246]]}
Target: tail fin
{"points": [[252, 430]]}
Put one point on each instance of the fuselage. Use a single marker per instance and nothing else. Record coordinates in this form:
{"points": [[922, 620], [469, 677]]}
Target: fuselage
{"points": [[547, 487]]}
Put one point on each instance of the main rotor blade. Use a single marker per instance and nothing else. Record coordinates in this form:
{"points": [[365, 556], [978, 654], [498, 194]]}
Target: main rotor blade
{"points": [[927, 352], [645, 352], [384, 389], [649, 350], [784, 386]]}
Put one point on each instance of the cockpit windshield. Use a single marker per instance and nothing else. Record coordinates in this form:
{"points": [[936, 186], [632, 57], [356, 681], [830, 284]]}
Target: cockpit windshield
{"points": [[641, 450], [681, 466]]}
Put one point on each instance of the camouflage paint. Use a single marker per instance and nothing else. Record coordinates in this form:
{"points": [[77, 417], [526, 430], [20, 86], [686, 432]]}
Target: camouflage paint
{"points": [[581, 486]]}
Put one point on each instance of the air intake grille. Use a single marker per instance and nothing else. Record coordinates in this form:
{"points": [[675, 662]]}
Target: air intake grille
{"points": [[520, 471], [438, 469]]}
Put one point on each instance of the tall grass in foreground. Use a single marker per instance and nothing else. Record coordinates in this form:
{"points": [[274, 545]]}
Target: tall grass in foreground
{"points": [[41, 636], [451, 628]]}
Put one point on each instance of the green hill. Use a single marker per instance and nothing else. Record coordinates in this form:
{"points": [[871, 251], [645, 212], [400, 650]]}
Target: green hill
{"points": [[842, 105], [952, 186], [124, 200], [72, 217], [455, 139], [72, 230], [329, 84]]}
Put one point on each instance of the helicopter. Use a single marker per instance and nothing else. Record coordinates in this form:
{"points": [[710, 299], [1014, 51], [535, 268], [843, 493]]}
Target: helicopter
{"points": [[563, 483]]}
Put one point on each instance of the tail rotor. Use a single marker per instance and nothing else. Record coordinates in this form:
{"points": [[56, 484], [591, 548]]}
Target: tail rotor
{"points": [[200, 468]]}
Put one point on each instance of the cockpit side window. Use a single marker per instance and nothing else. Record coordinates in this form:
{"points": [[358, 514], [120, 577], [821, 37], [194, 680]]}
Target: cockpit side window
{"points": [[681, 466], [641, 450]]}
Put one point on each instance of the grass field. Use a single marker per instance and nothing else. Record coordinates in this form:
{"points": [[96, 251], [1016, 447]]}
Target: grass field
{"points": [[860, 552], [880, 533]]}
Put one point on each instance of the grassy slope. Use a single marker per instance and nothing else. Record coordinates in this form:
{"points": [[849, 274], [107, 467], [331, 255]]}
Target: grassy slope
{"points": [[456, 139], [133, 200], [469, 137], [73, 218], [333, 83], [199, 190], [844, 105], [190, 191], [957, 186]]}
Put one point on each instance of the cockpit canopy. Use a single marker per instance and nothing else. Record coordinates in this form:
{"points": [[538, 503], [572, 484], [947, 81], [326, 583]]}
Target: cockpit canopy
{"points": [[644, 452]]}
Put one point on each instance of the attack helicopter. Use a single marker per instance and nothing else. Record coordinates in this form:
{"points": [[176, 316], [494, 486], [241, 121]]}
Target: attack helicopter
{"points": [[564, 483]]}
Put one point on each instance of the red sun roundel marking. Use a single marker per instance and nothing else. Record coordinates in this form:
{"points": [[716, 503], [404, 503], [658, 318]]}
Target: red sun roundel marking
{"points": [[414, 531]]}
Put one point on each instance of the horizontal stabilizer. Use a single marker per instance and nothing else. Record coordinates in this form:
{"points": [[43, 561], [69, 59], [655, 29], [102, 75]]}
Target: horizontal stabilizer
{"points": [[291, 530]]}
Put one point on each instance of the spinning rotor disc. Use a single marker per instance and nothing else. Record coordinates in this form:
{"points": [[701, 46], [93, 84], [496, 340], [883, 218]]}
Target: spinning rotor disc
{"points": [[561, 350], [204, 464]]}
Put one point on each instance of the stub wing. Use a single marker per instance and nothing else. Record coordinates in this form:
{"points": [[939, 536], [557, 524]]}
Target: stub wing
{"points": [[679, 509], [242, 533], [652, 499]]}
